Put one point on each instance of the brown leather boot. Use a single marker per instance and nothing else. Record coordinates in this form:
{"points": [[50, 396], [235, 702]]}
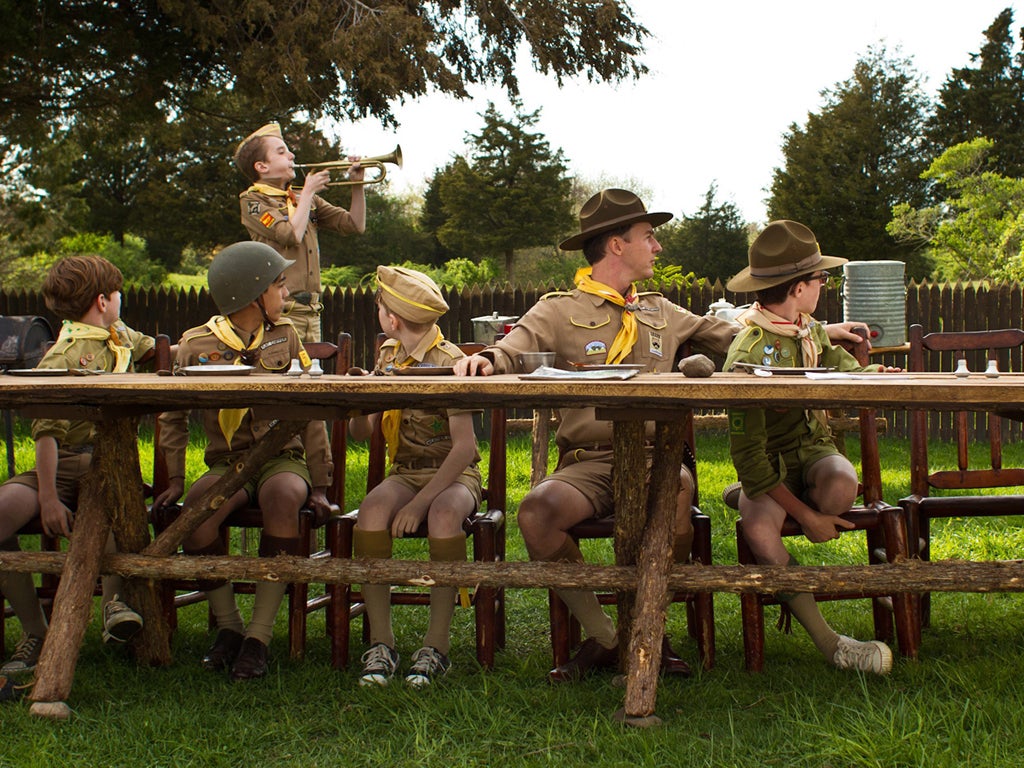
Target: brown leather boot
{"points": [[252, 660], [591, 655], [224, 651]]}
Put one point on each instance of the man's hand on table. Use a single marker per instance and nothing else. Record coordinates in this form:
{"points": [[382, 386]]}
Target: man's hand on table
{"points": [[473, 365]]}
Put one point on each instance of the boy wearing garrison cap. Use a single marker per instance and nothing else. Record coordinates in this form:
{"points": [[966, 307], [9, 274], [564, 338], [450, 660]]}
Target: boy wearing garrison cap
{"points": [[248, 286], [434, 475], [274, 214], [785, 459]]}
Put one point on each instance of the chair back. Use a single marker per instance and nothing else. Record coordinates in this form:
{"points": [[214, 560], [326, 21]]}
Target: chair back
{"points": [[939, 352]]}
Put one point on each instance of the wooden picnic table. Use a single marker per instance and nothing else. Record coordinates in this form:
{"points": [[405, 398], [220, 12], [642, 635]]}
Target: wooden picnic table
{"points": [[644, 516]]}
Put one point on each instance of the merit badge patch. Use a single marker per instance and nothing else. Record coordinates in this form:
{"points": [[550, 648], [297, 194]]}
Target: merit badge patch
{"points": [[254, 208], [267, 219], [595, 348], [738, 422], [654, 346]]}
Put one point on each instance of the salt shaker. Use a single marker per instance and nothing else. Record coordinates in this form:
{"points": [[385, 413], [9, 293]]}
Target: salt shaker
{"points": [[296, 368], [961, 368], [992, 371], [315, 371]]}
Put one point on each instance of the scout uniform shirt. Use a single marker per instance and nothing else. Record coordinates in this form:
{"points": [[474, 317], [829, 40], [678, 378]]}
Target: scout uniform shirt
{"points": [[758, 436], [199, 346], [580, 327], [266, 217], [423, 436], [93, 355]]}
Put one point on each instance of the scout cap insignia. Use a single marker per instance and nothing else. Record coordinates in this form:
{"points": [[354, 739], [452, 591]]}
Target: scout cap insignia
{"points": [[610, 209], [410, 294], [784, 250]]}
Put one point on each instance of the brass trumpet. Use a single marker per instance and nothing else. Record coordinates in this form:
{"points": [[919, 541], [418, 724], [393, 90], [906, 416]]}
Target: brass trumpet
{"points": [[394, 158]]}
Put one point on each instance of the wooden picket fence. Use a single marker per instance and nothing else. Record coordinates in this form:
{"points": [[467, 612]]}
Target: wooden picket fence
{"points": [[936, 306]]}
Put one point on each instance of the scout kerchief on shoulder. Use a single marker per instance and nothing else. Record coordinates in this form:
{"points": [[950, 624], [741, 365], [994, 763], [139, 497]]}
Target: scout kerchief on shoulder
{"points": [[71, 330], [391, 421], [410, 294], [624, 340]]}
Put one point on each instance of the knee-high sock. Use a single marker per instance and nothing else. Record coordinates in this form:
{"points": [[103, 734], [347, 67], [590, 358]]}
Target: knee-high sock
{"points": [[377, 597], [269, 594], [442, 599], [805, 608], [219, 593], [112, 585], [20, 591], [583, 603]]}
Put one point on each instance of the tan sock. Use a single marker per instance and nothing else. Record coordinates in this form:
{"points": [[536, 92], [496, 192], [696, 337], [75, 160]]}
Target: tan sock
{"points": [[377, 597], [805, 608], [269, 594], [20, 591], [442, 599], [224, 608], [583, 603], [113, 585]]}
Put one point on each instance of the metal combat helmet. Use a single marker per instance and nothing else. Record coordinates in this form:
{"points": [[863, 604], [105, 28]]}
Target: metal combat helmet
{"points": [[240, 274]]}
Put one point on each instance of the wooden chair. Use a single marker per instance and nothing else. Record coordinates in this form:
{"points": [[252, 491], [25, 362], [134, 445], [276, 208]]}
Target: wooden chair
{"points": [[958, 484], [700, 609], [333, 357], [486, 528], [886, 532]]}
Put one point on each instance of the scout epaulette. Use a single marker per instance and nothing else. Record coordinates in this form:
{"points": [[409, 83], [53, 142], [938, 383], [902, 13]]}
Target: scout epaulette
{"points": [[452, 350], [747, 338], [553, 294]]}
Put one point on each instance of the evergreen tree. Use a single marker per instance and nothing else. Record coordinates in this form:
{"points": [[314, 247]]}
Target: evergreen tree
{"points": [[854, 160], [986, 100], [510, 193], [711, 243]]}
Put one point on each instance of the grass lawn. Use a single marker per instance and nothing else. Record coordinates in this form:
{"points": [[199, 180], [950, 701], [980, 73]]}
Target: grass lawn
{"points": [[962, 704]]}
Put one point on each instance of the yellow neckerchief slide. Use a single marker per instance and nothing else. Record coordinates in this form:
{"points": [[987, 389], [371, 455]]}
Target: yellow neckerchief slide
{"points": [[391, 421], [628, 334], [230, 419], [74, 331], [265, 189]]}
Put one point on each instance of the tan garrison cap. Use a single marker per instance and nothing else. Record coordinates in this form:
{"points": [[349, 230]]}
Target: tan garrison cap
{"points": [[270, 129], [410, 294]]}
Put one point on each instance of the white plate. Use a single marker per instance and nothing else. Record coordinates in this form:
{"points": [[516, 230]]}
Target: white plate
{"points": [[780, 370], [608, 366], [39, 372], [215, 370]]}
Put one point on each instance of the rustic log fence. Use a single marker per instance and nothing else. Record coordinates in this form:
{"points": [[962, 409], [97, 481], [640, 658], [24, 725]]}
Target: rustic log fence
{"points": [[936, 306]]}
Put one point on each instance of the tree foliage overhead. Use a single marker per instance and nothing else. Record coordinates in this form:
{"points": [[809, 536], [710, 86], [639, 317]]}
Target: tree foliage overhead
{"points": [[339, 58], [711, 243], [510, 193], [986, 99], [977, 233], [854, 160]]}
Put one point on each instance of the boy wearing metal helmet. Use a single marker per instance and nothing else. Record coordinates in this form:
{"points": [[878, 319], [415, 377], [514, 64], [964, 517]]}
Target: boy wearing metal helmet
{"points": [[248, 285], [433, 478]]}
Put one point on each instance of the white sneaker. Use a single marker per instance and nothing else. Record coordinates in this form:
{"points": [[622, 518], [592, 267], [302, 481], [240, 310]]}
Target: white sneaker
{"points": [[25, 656], [731, 495], [871, 656], [379, 664], [120, 623], [428, 664]]}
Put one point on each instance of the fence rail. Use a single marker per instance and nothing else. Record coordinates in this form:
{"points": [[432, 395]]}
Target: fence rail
{"points": [[936, 306]]}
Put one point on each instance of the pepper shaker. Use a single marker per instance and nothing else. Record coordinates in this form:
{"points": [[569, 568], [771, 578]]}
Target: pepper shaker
{"points": [[961, 368], [992, 371]]}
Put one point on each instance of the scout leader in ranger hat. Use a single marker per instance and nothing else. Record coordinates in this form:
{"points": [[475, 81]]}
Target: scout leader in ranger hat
{"points": [[410, 294], [783, 251], [610, 209]]}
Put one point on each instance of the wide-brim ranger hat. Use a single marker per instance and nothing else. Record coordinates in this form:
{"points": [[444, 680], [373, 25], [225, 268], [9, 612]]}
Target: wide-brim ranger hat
{"points": [[610, 209], [783, 251], [410, 294]]}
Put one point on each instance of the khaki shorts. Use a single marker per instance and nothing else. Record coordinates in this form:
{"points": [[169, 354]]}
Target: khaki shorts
{"points": [[415, 479], [800, 460], [289, 461], [305, 320], [590, 473], [71, 468]]}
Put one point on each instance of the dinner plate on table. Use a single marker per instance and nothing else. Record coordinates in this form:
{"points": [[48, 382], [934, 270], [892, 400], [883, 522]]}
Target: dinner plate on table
{"points": [[215, 370], [38, 372], [424, 370], [781, 370]]}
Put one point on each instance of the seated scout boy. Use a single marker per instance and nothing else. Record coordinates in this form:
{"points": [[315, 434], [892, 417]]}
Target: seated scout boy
{"points": [[85, 292], [785, 459], [434, 475], [247, 283]]}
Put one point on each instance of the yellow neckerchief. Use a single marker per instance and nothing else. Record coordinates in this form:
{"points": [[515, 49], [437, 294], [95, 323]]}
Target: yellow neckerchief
{"points": [[73, 331], [391, 421], [269, 191], [780, 326], [628, 333], [230, 419]]}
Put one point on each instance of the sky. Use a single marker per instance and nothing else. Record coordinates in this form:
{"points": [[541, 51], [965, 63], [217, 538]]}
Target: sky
{"points": [[726, 81]]}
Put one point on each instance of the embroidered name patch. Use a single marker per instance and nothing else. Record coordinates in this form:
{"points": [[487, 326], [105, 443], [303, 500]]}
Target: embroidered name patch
{"points": [[595, 348]]}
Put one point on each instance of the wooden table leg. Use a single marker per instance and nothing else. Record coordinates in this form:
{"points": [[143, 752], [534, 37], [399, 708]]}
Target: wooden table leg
{"points": [[645, 526]]}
